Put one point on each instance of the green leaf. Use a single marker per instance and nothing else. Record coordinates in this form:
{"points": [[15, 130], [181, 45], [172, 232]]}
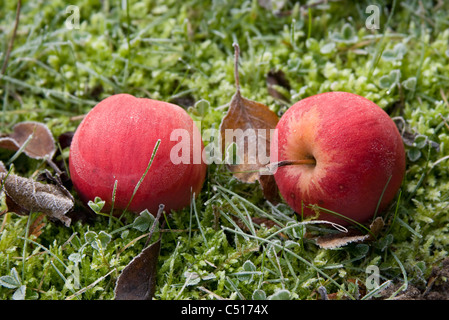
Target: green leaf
{"points": [[346, 35], [249, 266], [410, 83], [347, 31], [389, 55], [231, 284], [248, 271], [202, 106], [144, 221], [414, 154], [384, 82], [124, 234], [98, 241], [259, 294], [104, 238], [360, 250], [90, 236], [397, 53], [420, 141], [20, 293], [294, 63], [75, 257], [96, 205], [385, 242], [390, 80], [395, 76], [327, 48], [280, 295], [193, 278], [12, 281]]}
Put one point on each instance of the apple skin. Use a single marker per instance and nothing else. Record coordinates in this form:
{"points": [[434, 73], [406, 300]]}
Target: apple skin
{"points": [[358, 151], [115, 141]]}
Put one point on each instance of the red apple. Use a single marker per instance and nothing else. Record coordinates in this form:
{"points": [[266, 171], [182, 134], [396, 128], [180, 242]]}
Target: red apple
{"points": [[115, 142], [341, 152]]}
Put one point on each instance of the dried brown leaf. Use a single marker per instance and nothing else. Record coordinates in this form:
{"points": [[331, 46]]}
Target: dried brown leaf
{"points": [[249, 124], [24, 195], [247, 115], [138, 280], [335, 241], [35, 138]]}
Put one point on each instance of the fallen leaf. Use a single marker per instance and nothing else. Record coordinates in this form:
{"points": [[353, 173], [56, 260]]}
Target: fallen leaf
{"points": [[249, 125], [247, 115], [34, 137], [24, 195], [138, 280], [335, 241]]}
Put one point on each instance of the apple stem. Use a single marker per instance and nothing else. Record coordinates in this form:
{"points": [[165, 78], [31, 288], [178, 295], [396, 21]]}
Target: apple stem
{"points": [[283, 163], [295, 162]]}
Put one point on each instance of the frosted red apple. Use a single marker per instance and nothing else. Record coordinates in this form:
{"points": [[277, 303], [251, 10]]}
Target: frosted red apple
{"points": [[353, 149], [115, 141]]}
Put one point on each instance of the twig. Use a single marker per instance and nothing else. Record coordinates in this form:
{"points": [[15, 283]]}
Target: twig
{"points": [[11, 41], [236, 65], [158, 216]]}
